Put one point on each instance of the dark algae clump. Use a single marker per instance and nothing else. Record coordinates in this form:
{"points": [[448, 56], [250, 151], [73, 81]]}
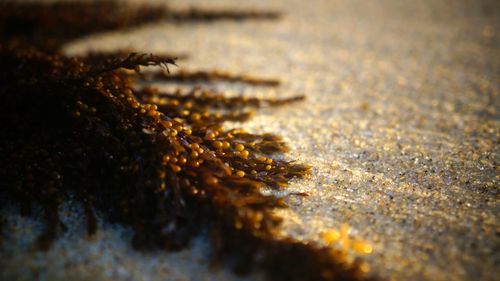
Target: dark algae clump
{"points": [[51, 25], [161, 163]]}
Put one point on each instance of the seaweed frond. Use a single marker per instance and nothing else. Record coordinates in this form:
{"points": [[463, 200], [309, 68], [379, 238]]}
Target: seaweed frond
{"points": [[211, 76], [43, 24], [197, 14], [132, 62]]}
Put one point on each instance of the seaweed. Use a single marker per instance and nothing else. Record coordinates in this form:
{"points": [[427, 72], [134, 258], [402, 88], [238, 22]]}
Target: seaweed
{"points": [[161, 163], [211, 77], [204, 15], [45, 25]]}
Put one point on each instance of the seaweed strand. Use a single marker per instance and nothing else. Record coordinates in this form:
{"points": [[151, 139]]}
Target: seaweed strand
{"points": [[210, 76]]}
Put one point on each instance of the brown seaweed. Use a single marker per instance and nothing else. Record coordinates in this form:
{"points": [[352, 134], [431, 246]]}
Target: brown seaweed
{"points": [[211, 77], [161, 163], [205, 15], [46, 25]]}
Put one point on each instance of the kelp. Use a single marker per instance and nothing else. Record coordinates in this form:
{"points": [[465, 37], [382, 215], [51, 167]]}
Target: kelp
{"points": [[159, 162]]}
